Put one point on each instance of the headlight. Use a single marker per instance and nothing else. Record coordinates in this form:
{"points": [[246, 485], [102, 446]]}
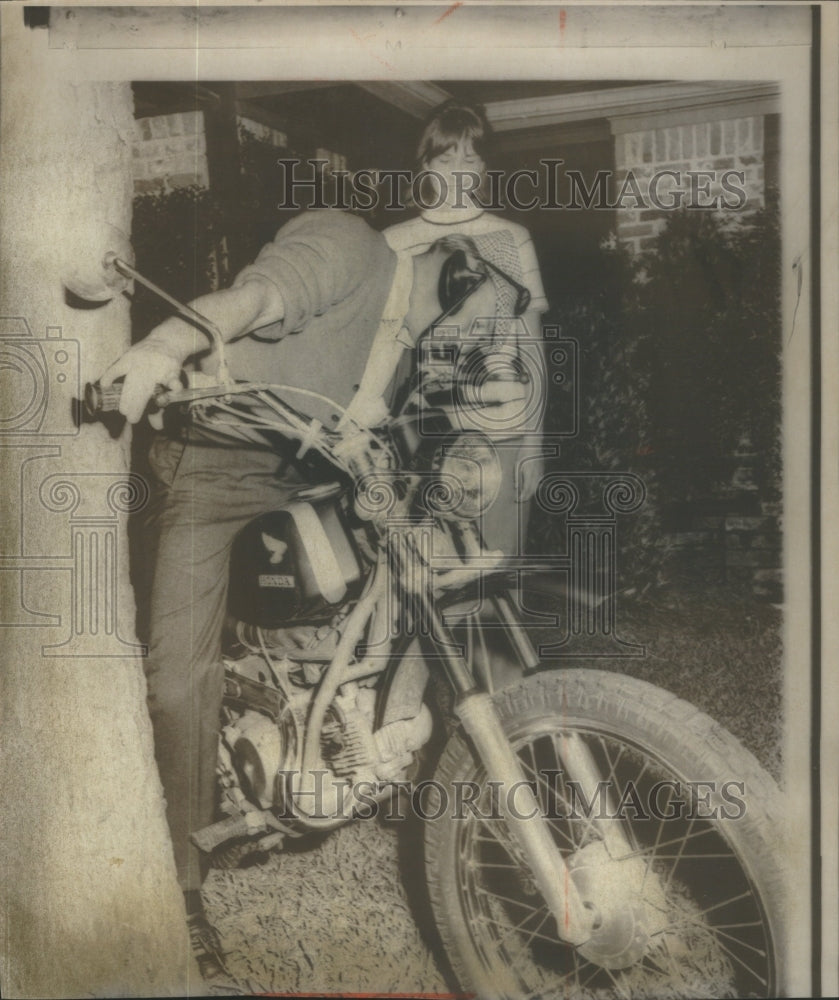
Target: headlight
{"points": [[467, 480]]}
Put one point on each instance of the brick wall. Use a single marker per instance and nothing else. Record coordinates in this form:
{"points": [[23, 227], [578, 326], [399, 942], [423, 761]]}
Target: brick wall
{"points": [[170, 151], [263, 133], [728, 144]]}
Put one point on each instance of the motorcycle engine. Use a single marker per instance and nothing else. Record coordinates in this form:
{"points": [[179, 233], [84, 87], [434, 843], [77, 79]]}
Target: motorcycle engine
{"points": [[263, 735]]}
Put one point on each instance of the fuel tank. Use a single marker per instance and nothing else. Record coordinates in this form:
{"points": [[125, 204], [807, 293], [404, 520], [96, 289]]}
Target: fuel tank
{"points": [[297, 564]]}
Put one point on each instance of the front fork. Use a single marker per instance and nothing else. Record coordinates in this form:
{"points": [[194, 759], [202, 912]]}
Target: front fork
{"points": [[529, 830]]}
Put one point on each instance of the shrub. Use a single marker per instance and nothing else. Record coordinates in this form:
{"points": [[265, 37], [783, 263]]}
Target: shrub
{"points": [[179, 244], [708, 318], [680, 369]]}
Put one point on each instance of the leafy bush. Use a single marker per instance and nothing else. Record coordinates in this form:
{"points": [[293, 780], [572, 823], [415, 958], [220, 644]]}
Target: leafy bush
{"points": [[179, 245], [708, 318], [680, 368]]}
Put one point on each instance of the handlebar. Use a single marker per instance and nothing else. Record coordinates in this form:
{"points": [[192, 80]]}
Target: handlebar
{"points": [[352, 448]]}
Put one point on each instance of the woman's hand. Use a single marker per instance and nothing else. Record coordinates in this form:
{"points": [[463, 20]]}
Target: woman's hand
{"points": [[530, 467]]}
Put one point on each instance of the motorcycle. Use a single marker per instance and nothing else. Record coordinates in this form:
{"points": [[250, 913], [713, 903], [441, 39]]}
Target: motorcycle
{"points": [[587, 835]]}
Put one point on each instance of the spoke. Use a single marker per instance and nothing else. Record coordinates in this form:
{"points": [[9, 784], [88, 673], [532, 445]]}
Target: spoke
{"points": [[521, 923], [618, 985], [576, 970], [668, 881], [667, 843], [743, 944], [745, 965], [496, 841], [575, 973], [690, 921], [611, 764], [538, 777], [691, 857], [597, 970], [725, 902], [531, 935], [675, 970], [716, 906], [637, 780], [496, 836], [500, 923], [649, 962], [507, 899], [657, 844]]}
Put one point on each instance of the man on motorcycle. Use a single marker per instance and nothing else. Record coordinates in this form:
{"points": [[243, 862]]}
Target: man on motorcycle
{"points": [[328, 308]]}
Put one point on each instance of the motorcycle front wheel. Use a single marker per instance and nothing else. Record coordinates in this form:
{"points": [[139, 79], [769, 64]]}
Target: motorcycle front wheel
{"points": [[668, 826]]}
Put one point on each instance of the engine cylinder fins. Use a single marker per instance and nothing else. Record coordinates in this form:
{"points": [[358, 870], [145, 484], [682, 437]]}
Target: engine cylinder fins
{"points": [[383, 753]]}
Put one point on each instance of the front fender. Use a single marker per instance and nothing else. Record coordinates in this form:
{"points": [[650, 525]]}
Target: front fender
{"points": [[540, 600], [555, 588]]}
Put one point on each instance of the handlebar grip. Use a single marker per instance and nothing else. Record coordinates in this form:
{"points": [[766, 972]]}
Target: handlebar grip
{"points": [[101, 400], [98, 399]]}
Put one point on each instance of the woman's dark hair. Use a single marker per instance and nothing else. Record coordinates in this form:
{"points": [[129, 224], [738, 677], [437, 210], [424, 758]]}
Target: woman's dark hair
{"points": [[448, 124]]}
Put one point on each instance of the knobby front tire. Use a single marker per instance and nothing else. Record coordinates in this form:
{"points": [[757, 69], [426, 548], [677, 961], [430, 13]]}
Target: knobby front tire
{"points": [[704, 895]]}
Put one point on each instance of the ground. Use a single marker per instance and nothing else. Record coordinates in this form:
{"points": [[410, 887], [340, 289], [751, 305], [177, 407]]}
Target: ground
{"points": [[348, 914]]}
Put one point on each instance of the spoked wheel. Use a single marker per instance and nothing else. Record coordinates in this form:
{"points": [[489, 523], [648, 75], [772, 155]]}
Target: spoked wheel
{"points": [[668, 827]]}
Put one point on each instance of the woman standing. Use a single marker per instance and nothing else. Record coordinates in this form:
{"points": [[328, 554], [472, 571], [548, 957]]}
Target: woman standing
{"points": [[451, 151]]}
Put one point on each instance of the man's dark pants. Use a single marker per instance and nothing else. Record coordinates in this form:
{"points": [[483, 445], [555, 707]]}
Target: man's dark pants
{"points": [[208, 494]]}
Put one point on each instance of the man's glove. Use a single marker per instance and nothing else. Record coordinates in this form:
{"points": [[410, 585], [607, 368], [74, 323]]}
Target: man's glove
{"points": [[146, 366]]}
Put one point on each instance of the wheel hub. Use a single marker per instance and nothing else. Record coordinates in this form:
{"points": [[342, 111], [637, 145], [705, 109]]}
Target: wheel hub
{"points": [[623, 895]]}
